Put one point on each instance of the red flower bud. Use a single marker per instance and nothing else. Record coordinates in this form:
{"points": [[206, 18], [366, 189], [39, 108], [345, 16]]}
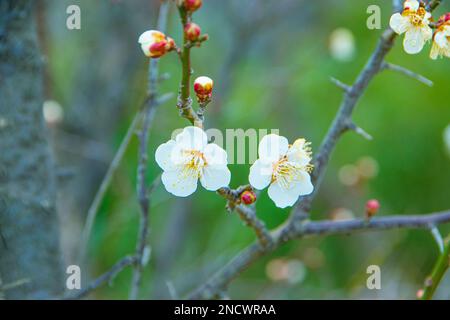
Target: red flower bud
{"points": [[203, 87], [444, 19], [192, 31], [248, 197], [372, 207], [419, 293], [155, 44], [192, 5]]}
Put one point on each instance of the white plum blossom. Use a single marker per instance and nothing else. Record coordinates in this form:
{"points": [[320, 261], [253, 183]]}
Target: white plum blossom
{"points": [[189, 158], [284, 168], [441, 42], [414, 23]]}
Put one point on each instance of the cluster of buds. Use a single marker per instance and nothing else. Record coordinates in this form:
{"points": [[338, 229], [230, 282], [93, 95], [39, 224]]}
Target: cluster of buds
{"points": [[191, 5], [203, 87], [155, 44], [416, 23], [372, 207], [248, 197]]}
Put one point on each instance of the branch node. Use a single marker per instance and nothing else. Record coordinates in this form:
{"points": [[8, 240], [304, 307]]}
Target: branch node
{"points": [[345, 87], [358, 130]]}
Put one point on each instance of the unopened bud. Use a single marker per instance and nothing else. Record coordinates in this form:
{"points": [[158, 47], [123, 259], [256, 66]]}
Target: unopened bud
{"points": [[248, 197], [192, 5], [444, 19], [192, 31], [372, 207], [203, 87], [155, 44], [419, 294]]}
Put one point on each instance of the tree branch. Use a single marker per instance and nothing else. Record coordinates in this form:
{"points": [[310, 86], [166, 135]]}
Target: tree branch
{"points": [[184, 103], [108, 276], [295, 226], [142, 248], [220, 280], [407, 72], [247, 214]]}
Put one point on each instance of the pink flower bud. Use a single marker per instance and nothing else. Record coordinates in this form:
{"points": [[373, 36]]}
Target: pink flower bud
{"points": [[248, 197], [203, 87], [419, 294], [155, 44], [372, 207], [192, 31], [192, 5]]}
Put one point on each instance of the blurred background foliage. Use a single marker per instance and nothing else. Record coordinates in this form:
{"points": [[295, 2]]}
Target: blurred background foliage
{"points": [[271, 62]]}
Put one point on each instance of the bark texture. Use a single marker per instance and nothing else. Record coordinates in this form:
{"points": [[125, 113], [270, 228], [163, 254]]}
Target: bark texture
{"points": [[28, 220]]}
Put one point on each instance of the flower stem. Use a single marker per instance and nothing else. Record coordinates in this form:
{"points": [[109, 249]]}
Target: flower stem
{"points": [[184, 100], [439, 269]]}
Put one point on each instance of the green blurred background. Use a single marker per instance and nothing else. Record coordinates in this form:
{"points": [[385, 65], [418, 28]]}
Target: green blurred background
{"points": [[271, 62]]}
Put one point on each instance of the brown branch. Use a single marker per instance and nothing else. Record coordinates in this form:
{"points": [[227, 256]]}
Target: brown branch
{"points": [[219, 281], [142, 248], [246, 213], [106, 277], [296, 223]]}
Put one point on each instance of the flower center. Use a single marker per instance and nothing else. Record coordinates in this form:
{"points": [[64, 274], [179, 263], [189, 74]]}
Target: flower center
{"points": [[195, 163], [286, 173], [416, 17]]}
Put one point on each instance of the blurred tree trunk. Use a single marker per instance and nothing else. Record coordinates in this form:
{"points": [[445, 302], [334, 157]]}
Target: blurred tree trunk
{"points": [[28, 221]]}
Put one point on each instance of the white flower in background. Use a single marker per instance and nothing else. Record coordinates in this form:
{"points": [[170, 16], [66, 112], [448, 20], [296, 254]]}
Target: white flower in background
{"points": [[447, 138], [189, 158], [284, 167], [441, 38], [342, 44], [155, 44], [414, 23]]}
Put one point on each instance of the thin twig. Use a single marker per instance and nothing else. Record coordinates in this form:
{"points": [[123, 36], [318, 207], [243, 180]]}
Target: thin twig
{"points": [[14, 284], [340, 84], [106, 182], [407, 72], [142, 248], [106, 277], [438, 238], [439, 269], [247, 214], [184, 103]]}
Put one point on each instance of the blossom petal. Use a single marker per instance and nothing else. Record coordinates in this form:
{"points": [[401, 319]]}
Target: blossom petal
{"points": [[192, 138], [399, 23], [304, 184], [413, 5], [287, 197], [435, 51], [283, 198], [179, 184], [272, 147], [215, 155], [260, 174], [163, 155], [298, 152], [414, 40], [440, 38], [215, 177]]}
